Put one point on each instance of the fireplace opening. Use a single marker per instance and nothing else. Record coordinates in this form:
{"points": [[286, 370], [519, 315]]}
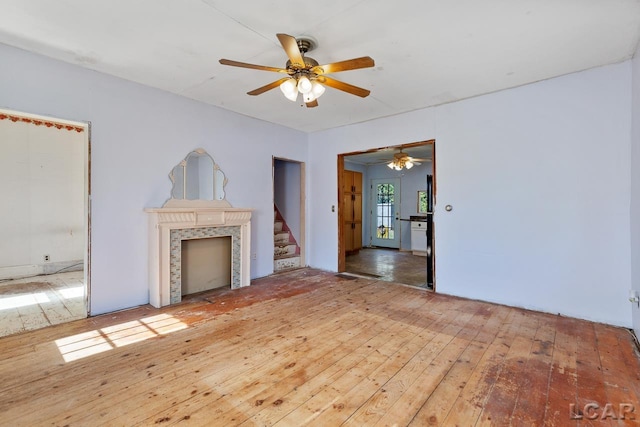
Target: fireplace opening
{"points": [[205, 264]]}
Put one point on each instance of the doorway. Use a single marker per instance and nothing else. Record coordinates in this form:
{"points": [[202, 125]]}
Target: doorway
{"points": [[288, 214], [44, 253], [387, 252]]}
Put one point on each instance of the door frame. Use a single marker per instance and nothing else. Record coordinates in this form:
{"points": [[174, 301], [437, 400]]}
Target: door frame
{"points": [[86, 125], [340, 206], [303, 206]]}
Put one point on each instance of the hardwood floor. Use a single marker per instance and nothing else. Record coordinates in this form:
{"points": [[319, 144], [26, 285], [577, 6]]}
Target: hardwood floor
{"points": [[390, 265], [40, 301], [308, 347]]}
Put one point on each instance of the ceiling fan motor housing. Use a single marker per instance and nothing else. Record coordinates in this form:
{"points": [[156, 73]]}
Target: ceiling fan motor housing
{"points": [[308, 63], [306, 44]]}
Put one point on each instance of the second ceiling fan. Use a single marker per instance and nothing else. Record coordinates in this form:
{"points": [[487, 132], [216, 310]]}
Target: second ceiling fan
{"points": [[304, 74]]}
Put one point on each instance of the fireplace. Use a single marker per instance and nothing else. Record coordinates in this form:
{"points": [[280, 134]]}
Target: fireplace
{"points": [[206, 264], [197, 209], [169, 226]]}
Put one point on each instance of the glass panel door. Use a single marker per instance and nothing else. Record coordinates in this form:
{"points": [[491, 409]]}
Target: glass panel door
{"points": [[385, 212]]}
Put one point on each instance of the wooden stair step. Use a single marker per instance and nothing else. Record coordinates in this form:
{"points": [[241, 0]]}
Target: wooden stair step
{"points": [[284, 249], [286, 256], [287, 262], [283, 237]]}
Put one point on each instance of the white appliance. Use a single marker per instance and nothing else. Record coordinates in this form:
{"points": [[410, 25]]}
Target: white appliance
{"points": [[419, 236]]}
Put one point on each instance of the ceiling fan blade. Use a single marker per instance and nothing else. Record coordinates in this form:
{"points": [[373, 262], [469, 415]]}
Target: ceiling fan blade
{"points": [[345, 87], [312, 104], [290, 46], [349, 64], [270, 86], [252, 66]]}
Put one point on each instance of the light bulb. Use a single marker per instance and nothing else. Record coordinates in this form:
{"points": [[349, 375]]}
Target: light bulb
{"points": [[390, 165], [317, 89], [289, 89], [408, 164], [304, 84]]}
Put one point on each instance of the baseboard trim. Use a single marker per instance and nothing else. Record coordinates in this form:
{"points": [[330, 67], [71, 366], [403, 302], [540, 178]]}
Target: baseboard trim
{"points": [[30, 270]]}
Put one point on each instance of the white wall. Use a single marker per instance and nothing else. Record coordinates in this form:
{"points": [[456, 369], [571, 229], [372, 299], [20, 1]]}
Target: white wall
{"points": [[539, 181], [138, 135], [42, 187], [635, 189]]}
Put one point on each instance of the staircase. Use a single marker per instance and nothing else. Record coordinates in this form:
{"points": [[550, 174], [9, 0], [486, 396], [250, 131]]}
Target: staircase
{"points": [[286, 252]]}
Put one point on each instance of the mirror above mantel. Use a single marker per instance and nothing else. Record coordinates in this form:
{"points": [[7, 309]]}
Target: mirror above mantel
{"points": [[197, 181]]}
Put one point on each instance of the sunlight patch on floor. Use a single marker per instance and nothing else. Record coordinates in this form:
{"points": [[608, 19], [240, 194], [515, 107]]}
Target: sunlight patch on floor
{"points": [[98, 341], [22, 300], [73, 292]]}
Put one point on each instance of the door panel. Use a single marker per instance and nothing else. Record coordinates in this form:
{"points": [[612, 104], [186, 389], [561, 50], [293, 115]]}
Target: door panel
{"points": [[352, 213], [357, 236], [357, 208], [348, 237]]}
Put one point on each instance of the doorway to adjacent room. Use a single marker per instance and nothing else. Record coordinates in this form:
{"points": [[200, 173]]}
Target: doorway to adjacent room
{"points": [[391, 195], [288, 214], [44, 250]]}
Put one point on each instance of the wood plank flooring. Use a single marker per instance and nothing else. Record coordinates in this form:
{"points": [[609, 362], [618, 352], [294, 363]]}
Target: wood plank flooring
{"points": [[390, 265], [310, 348], [40, 301]]}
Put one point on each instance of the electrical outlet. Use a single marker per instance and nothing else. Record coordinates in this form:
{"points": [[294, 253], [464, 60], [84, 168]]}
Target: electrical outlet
{"points": [[47, 258]]}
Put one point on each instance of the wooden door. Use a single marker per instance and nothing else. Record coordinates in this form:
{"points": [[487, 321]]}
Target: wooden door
{"points": [[352, 198], [348, 222]]}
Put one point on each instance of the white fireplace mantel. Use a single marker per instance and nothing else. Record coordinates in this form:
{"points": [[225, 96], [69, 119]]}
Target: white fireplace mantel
{"points": [[194, 222]]}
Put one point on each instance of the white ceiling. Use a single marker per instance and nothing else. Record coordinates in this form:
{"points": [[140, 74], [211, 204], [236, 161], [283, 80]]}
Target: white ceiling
{"points": [[427, 52], [385, 155]]}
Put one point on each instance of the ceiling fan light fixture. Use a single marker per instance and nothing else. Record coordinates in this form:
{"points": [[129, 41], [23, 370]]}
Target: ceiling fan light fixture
{"points": [[304, 84], [289, 89], [395, 165], [302, 72], [317, 89], [401, 161]]}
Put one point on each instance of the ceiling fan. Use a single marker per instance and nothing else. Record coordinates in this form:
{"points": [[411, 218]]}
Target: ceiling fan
{"points": [[304, 74], [403, 160]]}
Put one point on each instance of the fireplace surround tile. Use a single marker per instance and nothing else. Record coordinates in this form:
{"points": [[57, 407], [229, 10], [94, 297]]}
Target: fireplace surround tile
{"points": [[178, 235], [168, 226]]}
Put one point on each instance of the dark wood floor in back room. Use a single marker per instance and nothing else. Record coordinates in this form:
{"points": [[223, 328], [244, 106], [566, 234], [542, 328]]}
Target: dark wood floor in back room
{"points": [[390, 265], [309, 347]]}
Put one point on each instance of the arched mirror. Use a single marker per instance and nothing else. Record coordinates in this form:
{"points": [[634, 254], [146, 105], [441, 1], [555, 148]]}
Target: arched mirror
{"points": [[197, 177]]}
